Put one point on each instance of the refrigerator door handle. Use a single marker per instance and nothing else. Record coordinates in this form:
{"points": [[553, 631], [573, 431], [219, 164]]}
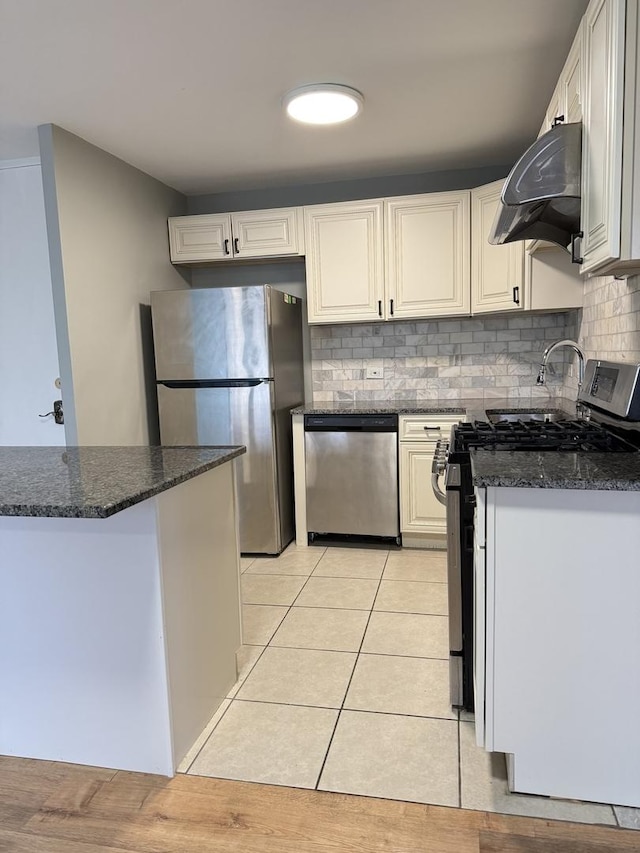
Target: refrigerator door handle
{"points": [[211, 383]]}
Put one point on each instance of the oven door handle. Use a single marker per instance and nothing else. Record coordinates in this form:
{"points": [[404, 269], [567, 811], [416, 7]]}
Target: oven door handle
{"points": [[437, 469]]}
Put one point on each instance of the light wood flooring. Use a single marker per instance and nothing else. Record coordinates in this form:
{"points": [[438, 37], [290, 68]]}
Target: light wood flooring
{"points": [[46, 807]]}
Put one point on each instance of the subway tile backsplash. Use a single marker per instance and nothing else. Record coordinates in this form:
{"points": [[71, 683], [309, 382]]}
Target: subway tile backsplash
{"points": [[609, 324], [488, 358]]}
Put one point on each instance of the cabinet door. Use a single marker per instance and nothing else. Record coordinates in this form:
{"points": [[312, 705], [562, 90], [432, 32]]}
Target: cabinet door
{"points": [[497, 272], [344, 262], [555, 110], [420, 511], [194, 239], [603, 58], [571, 80], [267, 233], [427, 243]]}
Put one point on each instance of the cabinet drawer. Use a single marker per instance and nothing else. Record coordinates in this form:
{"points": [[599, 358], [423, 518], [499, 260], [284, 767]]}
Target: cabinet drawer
{"points": [[427, 427]]}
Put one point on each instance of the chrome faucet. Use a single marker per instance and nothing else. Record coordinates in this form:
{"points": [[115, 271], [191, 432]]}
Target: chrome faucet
{"points": [[580, 409]]}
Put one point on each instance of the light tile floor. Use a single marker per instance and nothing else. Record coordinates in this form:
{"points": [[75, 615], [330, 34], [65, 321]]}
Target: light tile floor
{"points": [[343, 686]]}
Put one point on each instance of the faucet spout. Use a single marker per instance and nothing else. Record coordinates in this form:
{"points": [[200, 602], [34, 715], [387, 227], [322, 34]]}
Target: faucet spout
{"points": [[581, 362]]}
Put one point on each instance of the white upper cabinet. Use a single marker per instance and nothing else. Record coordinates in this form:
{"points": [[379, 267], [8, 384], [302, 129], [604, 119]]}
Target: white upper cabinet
{"points": [[571, 81], [512, 278], [566, 102], [268, 233], [197, 239], [603, 60], [345, 263], [427, 249], [497, 272], [226, 236], [611, 139]]}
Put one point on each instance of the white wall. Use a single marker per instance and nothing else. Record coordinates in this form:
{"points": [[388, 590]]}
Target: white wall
{"points": [[107, 227], [28, 354]]}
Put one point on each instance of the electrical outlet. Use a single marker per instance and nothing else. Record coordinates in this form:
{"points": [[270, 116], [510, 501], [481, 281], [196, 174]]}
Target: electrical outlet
{"points": [[373, 373]]}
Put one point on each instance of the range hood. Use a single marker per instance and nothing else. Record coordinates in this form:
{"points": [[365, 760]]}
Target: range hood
{"points": [[541, 196]]}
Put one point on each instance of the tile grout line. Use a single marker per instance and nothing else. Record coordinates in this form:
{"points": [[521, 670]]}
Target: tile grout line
{"points": [[341, 708], [326, 755]]}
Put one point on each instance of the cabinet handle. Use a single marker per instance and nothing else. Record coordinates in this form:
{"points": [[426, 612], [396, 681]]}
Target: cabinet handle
{"points": [[431, 427], [236, 248], [557, 120], [391, 307], [226, 247], [574, 256], [516, 295], [379, 307]]}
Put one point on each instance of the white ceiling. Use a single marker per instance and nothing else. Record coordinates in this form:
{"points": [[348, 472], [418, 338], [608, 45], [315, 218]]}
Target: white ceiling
{"points": [[189, 90]]}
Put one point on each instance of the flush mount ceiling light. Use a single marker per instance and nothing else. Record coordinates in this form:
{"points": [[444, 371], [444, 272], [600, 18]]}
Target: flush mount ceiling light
{"points": [[323, 103]]}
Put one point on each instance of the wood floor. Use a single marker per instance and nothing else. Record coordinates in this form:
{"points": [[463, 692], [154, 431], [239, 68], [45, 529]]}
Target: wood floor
{"points": [[46, 807]]}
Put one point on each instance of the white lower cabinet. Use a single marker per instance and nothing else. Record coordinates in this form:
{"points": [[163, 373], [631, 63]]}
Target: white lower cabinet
{"points": [[423, 519], [557, 622]]}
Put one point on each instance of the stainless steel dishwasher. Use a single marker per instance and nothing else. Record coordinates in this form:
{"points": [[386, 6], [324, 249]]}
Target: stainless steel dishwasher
{"points": [[352, 474]]}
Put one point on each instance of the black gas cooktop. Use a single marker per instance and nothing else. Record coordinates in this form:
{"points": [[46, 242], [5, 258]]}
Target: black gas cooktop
{"points": [[567, 435]]}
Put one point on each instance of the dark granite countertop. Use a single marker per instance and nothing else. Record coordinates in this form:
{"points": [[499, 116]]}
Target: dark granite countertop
{"points": [[96, 482], [380, 407], [474, 408], [531, 470]]}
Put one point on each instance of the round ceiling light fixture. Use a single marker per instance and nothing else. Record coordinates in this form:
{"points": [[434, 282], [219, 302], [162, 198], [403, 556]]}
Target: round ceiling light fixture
{"points": [[323, 103]]}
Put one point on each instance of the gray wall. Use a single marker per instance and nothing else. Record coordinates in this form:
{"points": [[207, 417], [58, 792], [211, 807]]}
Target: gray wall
{"points": [[330, 191], [108, 248]]}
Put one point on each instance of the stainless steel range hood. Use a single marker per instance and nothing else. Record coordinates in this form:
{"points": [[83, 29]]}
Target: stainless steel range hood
{"points": [[541, 195]]}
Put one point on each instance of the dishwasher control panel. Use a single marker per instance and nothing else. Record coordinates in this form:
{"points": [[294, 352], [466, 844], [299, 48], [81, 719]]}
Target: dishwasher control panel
{"points": [[351, 423]]}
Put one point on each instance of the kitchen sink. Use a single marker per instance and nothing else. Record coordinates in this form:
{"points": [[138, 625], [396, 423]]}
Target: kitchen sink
{"points": [[511, 416]]}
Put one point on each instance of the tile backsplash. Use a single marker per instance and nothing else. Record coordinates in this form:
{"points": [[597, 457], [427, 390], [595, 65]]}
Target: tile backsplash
{"points": [[488, 358], [608, 326]]}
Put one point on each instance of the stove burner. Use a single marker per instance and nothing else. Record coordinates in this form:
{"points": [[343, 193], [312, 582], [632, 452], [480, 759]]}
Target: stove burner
{"points": [[567, 436]]}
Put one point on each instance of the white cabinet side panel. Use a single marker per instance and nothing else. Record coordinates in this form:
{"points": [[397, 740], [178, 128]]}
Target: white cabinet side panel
{"points": [[566, 649], [82, 662], [299, 481], [199, 555]]}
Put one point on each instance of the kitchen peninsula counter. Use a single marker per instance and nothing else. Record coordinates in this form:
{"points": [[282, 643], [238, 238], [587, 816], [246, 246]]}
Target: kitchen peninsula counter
{"points": [[96, 482], [119, 601]]}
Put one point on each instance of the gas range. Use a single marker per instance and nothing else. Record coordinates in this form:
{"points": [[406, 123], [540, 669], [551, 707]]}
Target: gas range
{"points": [[611, 396], [585, 436]]}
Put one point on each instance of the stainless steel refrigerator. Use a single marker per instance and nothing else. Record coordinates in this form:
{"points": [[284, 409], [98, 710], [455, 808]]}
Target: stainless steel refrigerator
{"points": [[229, 370]]}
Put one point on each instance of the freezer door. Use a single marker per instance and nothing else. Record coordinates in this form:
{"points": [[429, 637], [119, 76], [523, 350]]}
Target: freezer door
{"points": [[211, 333], [223, 416]]}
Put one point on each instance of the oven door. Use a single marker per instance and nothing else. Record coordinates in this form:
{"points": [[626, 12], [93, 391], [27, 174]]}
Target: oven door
{"points": [[454, 583], [459, 583]]}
